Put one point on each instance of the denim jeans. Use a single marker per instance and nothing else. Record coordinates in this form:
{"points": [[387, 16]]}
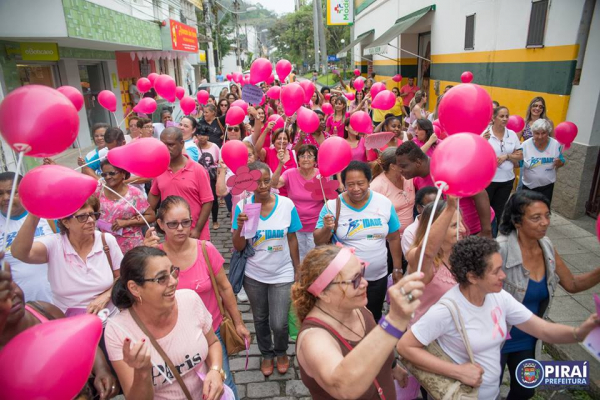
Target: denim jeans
{"points": [[270, 304], [229, 380], [306, 243]]}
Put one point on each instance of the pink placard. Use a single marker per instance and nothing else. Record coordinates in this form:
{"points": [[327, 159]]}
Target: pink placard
{"points": [[252, 210]]}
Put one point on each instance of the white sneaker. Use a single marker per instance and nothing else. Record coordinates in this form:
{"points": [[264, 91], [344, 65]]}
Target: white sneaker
{"points": [[242, 296]]}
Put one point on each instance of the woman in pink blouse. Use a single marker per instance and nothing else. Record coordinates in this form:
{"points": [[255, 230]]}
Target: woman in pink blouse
{"points": [[336, 122], [425, 137], [281, 140], [356, 141]]}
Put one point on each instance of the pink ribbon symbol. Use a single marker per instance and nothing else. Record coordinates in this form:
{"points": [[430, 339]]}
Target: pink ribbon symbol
{"points": [[496, 314]]}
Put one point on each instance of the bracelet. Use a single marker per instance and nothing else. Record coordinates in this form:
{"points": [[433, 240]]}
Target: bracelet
{"points": [[389, 328], [575, 335], [397, 270]]}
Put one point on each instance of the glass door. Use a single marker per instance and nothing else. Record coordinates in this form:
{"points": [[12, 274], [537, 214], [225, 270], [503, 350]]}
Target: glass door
{"points": [[92, 82]]}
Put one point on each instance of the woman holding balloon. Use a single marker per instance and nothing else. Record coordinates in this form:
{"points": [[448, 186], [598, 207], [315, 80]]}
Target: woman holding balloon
{"points": [[335, 123], [277, 154], [91, 162], [356, 140], [425, 137]]}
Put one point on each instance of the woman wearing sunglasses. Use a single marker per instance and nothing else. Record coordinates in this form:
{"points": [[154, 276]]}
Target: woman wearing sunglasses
{"points": [[175, 222], [212, 125], [176, 320], [80, 272], [117, 215], [341, 351]]}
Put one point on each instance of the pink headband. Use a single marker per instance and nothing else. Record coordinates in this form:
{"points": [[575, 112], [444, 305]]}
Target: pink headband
{"points": [[334, 268]]}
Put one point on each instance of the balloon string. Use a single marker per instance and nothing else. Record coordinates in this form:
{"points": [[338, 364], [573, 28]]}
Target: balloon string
{"points": [[115, 117], [91, 162], [324, 197], [128, 202], [424, 244], [127, 116], [457, 218], [11, 200], [79, 147], [225, 137]]}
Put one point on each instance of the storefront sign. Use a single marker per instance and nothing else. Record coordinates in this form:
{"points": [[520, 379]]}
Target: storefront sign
{"points": [[202, 56], [183, 37], [197, 3], [340, 12], [39, 51]]}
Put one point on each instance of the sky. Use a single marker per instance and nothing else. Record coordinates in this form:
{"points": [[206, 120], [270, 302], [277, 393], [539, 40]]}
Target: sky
{"points": [[279, 6]]}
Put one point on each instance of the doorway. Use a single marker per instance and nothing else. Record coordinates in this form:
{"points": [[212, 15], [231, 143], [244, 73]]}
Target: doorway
{"points": [[93, 81], [424, 65]]}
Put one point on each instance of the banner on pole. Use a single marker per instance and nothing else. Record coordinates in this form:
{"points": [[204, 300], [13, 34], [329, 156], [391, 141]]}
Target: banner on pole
{"points": [[340, 12]]}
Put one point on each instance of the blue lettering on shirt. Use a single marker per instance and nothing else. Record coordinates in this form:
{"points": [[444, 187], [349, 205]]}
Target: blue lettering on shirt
{"points": [[358, 225], [536, 162], [267, 234]]}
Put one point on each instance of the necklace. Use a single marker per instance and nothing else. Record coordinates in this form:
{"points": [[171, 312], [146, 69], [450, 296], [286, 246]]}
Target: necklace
{"points": [[344, 325]]}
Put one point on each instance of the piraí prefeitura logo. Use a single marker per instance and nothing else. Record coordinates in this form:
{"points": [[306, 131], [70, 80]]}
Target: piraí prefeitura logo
{"points": [[532, 373]]}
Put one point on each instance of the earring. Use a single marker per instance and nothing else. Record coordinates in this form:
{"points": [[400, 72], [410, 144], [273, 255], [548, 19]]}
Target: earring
{"points": [[140, 297]]}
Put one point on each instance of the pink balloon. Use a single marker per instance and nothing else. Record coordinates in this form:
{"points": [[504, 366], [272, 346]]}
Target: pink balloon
{"points": [[235, 116], [147, 105], [361, 122], [234, 154], [152, 77], [327, 96], [309, 90], [165, 87], [229, 77], [202, 96], [466, 77], [179, 92], [38, 120], [274, 92], [187, 104], [437, 130], [350, 96], [42, 191], [72, 94], [437, 122], [279, 122], [292, 97], [357, 72], [397, 78], [515, 123], [108, 100], [238, 77], [453, 161], [327, 108], [52, 360], [565, 133], [334, 155], [465, 108], [260, 70], [241, 104], [145, 157], [359, 84], [376, 88], [283, 69], [307, 120], [270, 79], [144, 84], [385, 100]]}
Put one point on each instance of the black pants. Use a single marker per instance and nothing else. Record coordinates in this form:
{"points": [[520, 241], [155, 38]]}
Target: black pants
{"points": [[499, 192], [545, 190], [517, 392], [215, 204], [376, 296], [228, 202]]}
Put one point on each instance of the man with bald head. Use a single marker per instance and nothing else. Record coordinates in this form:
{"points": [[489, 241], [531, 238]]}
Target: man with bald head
{"points": [[184, 178]]}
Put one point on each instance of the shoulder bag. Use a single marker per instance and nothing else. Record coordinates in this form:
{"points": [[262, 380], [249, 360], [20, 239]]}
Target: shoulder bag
{"points": [[233, 342], [441, 387]]}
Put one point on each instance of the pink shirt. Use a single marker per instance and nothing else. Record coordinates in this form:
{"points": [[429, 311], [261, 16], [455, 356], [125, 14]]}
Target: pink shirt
{"points": [[442, 281], [403, 200], [359, 153], [307, 207], [309, 139], [336, 128], [186, 346], [76, 282], [214, 151], [372, 155], [197, 278], [192, 183], [411, 90], [429, 152], [273, 162]]}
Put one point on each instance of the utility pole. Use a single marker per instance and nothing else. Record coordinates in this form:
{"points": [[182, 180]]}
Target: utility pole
{"points": [[210, 56], [236, 6], [316, 33], [322, 43]]}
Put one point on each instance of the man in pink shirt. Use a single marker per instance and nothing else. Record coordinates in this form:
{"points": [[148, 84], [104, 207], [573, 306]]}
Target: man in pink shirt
{"points": [[184, 178], [476, 210], [407, 93]]}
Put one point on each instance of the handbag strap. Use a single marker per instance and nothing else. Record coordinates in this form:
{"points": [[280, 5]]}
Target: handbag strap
{"points": [[162, 353], [460, 325], [347, 345], [213, 280], [107, 252]]}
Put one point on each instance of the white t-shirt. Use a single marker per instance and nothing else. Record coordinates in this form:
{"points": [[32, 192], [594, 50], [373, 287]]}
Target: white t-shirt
{"points": [[538, 165], [272, 262], [366, 230], [408, 237], [508, 145], [486, 329], [32, 278]]}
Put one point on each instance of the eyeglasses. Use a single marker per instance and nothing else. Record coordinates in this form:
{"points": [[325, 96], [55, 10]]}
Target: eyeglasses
{"points": [[111, 173], [81, 218], [223, 105], [148, 127], [357, 279], [306, 157], [233, 128], [164, 279], [185, 223], [541, 107]]}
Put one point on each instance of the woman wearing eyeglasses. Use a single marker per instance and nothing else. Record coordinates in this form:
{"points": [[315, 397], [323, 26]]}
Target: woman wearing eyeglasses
{"points": [[117, 216], [175, 222], [177, 320], [80, 272], [146, 128], [536, 110]]}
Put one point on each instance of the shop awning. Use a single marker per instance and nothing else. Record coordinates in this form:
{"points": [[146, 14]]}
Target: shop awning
{"points": [[362, 38], [379, 45]]}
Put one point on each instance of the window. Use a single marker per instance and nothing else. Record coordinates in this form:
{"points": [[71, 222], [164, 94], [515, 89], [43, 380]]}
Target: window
{"points": [[470, 33], [537, 23]]}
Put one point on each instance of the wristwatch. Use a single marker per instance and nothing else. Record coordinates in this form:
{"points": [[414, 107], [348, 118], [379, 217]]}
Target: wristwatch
{"points": [[220, 371]]}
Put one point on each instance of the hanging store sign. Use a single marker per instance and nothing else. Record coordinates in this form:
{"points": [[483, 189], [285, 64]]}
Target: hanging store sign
{"points": [[340, 12], [39, 51], [183, 37]]}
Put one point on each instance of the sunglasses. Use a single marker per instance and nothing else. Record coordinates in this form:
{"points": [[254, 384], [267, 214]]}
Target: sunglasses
{"points": [[164, 279], [357, 279], [111, 173], [233, 128], [541, 107], [81, 218], [223, 105], [186, 223]]}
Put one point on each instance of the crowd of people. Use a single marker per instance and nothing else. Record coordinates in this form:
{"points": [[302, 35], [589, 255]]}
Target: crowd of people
{"points": [[329, 264]]}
